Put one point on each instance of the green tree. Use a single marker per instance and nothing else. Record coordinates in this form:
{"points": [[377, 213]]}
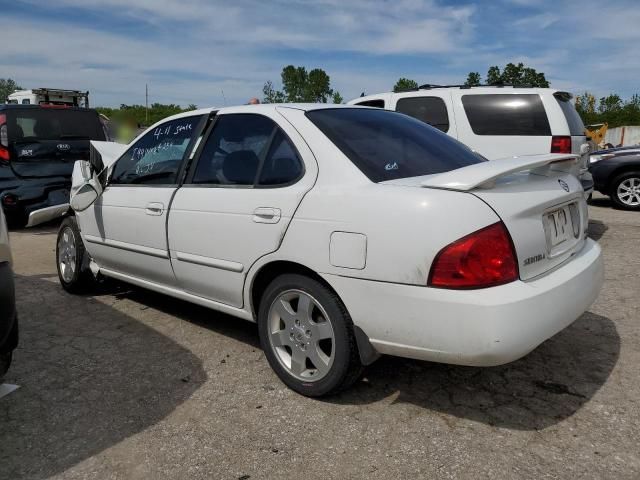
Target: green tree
{"points": [[271, 95], [7, 87], [512, 74], [137, 113], [337, 98], [298, 85], [473, 79], [404, 84], [611, 104]]}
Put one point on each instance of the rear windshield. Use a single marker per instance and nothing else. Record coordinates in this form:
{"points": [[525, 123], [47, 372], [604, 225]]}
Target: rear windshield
{"points": [[506, 114], [576, 127], [54, 124], [386, 145]]}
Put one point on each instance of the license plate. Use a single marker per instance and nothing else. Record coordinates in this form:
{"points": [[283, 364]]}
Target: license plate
{"points": [[559, 226]]}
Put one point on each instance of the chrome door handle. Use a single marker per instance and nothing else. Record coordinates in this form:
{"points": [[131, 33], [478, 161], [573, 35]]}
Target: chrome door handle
{"points": [[154, 208], [266, 215]]}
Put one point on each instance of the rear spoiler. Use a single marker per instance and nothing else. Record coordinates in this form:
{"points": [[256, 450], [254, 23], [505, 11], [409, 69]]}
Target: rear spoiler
{"points": [[484, 174]]}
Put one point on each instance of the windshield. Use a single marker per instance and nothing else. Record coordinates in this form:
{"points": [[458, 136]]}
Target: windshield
{"points": [[54, 124], [386, 145]]}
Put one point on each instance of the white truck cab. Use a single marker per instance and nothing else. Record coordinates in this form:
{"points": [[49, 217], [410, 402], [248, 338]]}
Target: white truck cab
{"points": [[50, 96], [496, 121]]}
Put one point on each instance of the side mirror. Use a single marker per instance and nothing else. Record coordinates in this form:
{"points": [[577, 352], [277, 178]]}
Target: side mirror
{"points": [[84, 197]]}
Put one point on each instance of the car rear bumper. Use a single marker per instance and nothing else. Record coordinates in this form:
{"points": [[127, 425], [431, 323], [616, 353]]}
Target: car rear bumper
{"points": [[38, 200], [8, 317], [473, 327]]}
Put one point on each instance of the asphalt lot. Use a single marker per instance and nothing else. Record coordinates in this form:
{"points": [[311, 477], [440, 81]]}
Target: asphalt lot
{"points": [[131, 384]]}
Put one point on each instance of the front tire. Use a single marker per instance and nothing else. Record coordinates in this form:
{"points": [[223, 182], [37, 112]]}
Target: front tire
{"points": [[625, 191], [72, 259], [307, 336]]}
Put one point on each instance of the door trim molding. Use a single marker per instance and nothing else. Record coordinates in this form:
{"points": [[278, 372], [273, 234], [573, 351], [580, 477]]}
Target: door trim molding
{"points": [[210, 262], [130, 247]]}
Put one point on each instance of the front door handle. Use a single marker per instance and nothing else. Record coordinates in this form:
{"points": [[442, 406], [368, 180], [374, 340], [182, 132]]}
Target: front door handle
{"points": [[266, 215], [155, 209]]}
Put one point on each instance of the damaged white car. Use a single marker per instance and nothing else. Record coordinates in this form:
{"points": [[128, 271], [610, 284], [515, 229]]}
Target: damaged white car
{"points": [[345, 232]]}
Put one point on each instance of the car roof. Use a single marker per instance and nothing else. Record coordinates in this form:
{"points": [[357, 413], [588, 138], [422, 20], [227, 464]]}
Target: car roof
{"points": [[427, 90], [260, 108]]}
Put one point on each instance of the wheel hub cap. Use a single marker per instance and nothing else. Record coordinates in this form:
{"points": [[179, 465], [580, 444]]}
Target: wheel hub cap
{"points": [[301, 335], [67, 254], [629, 191]]}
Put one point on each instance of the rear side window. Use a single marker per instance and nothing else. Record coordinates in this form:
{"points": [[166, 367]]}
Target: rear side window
{"points": [[54, 124], [386, 145], [430, 110], [506, 114], [576, 127], [247, 150], [372, 103]]}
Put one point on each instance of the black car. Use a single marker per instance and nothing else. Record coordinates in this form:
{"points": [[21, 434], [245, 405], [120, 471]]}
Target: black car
{"points": [[38, 146], [616, 173]]}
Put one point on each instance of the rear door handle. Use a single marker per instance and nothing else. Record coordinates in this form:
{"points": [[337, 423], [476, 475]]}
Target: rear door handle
{"points": [[266, 215], [154, 208]]}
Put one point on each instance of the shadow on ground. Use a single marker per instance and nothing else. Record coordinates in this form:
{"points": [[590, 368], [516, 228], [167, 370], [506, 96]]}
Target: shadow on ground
{"points": [[597, 229], [543, 388], [90, 377]]}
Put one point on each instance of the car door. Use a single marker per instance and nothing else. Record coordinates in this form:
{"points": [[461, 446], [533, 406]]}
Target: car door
{"points": [[125, 229], [250, 175]]}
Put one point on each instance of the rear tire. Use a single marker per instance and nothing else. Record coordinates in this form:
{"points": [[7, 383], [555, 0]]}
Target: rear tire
{"points": [[307, 336], [72, 260], [625, 191]]}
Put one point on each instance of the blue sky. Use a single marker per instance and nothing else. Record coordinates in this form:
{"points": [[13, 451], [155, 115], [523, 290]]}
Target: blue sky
{"points": [[190, 51]]}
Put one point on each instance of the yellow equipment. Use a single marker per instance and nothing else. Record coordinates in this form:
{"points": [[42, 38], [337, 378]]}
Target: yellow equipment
{"points": [[596, 132]]}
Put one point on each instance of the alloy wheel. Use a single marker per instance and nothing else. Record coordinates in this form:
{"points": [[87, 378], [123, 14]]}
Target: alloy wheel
{"points": [[301, 335], [629, 191], [67, 254]]}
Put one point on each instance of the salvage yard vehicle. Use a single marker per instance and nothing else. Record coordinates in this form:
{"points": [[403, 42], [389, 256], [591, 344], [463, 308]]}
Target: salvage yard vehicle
{"points": [[344, 232], [8, 316], [497, 121], [38, 148], [616, 173]]}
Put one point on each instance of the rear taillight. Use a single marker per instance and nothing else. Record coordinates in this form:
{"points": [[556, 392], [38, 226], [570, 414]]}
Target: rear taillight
{"points": [[485, 258], [560, 144], [4, 138]]}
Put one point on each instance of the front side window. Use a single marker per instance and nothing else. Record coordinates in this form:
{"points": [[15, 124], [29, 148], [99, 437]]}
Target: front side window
{"points": [[430, 110], [247, 150], [506, 114], [386, 145], [157, 156]]}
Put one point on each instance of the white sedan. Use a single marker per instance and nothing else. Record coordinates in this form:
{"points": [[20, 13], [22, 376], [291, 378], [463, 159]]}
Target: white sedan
{"points": [[344, 232]]}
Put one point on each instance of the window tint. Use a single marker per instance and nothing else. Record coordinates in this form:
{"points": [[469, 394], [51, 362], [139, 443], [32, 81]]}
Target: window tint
{"points": [[282, 165], [26, 101], [576, 127], [372, 103], [431, 110], [385, 145], [506, 114], [241, 146], [54, 124], [157, 156]]}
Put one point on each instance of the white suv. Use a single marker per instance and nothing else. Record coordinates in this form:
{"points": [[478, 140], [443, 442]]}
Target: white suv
{"points": [[497, 122]]}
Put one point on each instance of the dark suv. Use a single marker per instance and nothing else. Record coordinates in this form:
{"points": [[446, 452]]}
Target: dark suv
{"points": [[38, 146]]}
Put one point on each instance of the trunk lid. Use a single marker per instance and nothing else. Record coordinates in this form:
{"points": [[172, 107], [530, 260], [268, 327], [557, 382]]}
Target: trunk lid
{"points": [[538, 198]]}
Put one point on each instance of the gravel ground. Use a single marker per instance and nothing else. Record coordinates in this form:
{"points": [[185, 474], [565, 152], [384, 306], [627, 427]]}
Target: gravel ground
{"points": [[131, 384]]}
